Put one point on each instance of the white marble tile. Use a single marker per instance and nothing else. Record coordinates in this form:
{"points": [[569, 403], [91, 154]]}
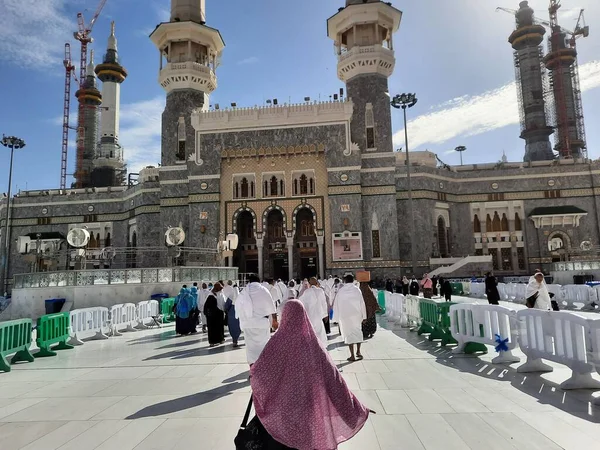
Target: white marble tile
{"points": [[371, 400], [397, 402], [476, 432], [518, 432], [435, 433], [169, 433], [365, 439], [131, 435], [494, 401], [428, 401], [19, 405], [368, 381], [68, 408], [15, 436], [94, 436], [395, 432], [375, 366], [75, 388], [460, 400], [61, 435]]}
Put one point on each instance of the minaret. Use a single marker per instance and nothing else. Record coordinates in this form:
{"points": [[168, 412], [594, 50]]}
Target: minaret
{"points": [[109, 166], [526, 40], [362, 33], [192, 52], [90, 97]]}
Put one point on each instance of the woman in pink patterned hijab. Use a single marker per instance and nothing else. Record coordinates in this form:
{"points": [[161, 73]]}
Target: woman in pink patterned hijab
{"points": [[299, 394]]}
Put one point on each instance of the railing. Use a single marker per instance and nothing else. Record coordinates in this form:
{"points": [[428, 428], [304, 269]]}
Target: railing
{"points": [[366, 50], [123, 276]]}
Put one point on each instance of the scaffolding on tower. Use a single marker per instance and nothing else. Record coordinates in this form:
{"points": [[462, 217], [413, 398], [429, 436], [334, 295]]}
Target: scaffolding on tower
{"points": [[83, 35], [69, 73]]}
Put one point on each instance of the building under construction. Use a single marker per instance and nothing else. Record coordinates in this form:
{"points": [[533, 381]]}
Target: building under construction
{"points": [[548, 85]]}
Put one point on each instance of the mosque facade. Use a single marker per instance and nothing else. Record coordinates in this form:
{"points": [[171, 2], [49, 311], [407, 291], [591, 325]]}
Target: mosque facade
{"points": [[313, 188]]}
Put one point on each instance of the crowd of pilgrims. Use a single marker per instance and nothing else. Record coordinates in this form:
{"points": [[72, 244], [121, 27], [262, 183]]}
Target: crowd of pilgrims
{"points": [[285, 328]]}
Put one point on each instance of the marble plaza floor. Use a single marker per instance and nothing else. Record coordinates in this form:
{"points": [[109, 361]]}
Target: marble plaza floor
{"points": [[152, 390]]}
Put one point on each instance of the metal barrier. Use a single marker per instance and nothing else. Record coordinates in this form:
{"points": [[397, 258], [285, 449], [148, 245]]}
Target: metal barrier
{"points": [[562, 337], [15, 337], [166, 309], [412, 311], [89, 323], [146, 312], [53, 329], [435, 320]]}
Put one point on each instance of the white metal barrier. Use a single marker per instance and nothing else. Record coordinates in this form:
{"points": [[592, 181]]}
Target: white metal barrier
{"points": [[485, 324], [478, 290], [146, 311], [594, 354], [123, 316], [88, 323], [562, 337]]}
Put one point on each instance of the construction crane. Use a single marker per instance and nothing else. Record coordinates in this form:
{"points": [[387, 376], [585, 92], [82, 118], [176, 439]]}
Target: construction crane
{"points": [[69, 73], [83, 35], [559, 54]]}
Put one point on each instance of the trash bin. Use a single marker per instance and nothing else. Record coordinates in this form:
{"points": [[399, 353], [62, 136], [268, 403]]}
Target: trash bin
{"points": [[54, 305], [159, 296]]}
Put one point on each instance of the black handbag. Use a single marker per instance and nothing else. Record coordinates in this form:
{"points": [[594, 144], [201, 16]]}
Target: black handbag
{"points": [[253, 435]]}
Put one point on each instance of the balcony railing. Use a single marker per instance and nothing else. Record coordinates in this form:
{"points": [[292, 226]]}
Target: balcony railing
{"points": [[123, 276]]}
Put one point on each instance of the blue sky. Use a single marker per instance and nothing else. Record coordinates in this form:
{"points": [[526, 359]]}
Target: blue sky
{"points": [[453, 54]]}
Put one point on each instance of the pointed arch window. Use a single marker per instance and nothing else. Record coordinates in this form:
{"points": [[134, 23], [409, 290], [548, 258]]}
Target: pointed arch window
{"points": [[244, 188], [496, 224], [281, 188], [266, 189], [370, 126], [181, 139], [476, 224], [311, 186], [252, 189], [504, 224], [303, 185], [236, 190], [518, 226], [273, 186], [488, 224], [295, 186]]}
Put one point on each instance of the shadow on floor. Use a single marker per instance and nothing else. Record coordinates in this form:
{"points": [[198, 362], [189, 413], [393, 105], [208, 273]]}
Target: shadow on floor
{"points": [[188, 402], [164, 336], [574, 402]]}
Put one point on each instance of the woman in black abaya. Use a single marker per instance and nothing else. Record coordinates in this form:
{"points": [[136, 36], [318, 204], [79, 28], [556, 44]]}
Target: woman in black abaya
{"points": [[214, 317]]}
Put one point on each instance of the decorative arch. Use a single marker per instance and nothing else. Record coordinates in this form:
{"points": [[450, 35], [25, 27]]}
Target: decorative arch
{"points": [[562, 235], [295, 213], [266, 214], [238, 212]]}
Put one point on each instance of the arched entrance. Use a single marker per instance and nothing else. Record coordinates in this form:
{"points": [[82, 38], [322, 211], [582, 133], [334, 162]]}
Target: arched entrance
{"points": [[305, 242], [276, 264], [442, 237], [246, 255]]}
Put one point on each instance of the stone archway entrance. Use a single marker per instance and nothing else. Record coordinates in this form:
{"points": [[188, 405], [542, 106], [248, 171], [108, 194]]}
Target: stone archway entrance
{"points": [[276, 258], [246, 255], [305, 243]]}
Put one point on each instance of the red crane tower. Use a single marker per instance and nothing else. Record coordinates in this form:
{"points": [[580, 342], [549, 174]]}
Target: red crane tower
{"points": [[83, 35], [69, 72]]}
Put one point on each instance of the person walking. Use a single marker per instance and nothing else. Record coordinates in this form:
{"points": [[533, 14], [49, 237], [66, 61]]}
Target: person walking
{"points": [[315, 304], [184, 312], [405, 286], [536, 294], [491, 289], [255, 310], [231, 293], [369, 326], [414, 287], [445, 289], [350, 312], [299, 394], [427, 284], [214, 317]]}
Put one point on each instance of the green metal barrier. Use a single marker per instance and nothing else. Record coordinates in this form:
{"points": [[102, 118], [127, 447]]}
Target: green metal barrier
{"points": [[457, 289], [166, 309], [436, 320], [381, 301], [53, 329], [15, 337]]}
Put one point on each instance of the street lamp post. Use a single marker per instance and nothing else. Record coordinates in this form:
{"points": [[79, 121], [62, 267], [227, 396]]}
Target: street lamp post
{"points": [[460, 149], [13, 143], [405, 101]]}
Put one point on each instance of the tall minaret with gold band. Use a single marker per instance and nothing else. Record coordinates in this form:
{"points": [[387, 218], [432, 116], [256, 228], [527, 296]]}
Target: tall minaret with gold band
{"points": [[109, 165], [189, 55]]}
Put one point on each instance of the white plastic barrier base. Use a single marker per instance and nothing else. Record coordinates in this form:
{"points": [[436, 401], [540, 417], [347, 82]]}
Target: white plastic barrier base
{"points": [[88, 323], [481, 324], [562, 337], [146, 311]]}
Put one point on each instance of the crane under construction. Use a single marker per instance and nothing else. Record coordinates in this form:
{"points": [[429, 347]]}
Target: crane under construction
{"points": [[548, 103], [69, 74], [89, 101]]}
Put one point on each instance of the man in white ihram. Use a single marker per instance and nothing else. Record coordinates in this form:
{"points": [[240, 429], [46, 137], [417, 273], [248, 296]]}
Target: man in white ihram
{"points": [[350, 311], [255, 309], [315, 303]]}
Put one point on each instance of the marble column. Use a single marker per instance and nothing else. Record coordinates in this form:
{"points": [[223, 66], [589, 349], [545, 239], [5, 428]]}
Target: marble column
{"points": [[321, 245], [290, 247], [260, 248], [513, 246]]}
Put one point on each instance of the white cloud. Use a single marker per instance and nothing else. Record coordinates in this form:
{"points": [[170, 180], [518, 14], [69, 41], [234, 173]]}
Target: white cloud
{"points": [[33, 32], [250, 60], [141, 132], [472, 115]]}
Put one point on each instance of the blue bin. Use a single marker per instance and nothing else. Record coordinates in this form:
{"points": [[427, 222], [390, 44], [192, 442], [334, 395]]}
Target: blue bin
{"points": [[159, 296], [54, 305]]}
